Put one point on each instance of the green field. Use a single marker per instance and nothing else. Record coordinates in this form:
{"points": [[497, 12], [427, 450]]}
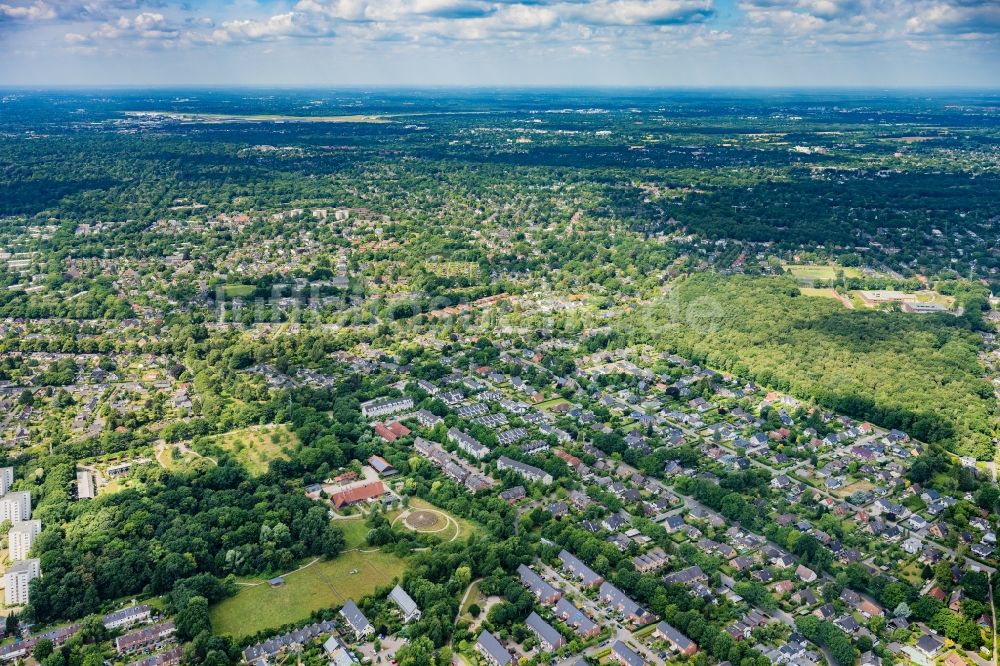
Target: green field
{"points": [[322, 585], [239, 290], [355, 532], [809, 272], [256, 446], [818, 293], [926, 296]]}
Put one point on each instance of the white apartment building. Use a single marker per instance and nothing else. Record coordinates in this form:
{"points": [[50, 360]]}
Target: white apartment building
{"points": [[16, 581], [6, 479], [15, 506], [20, 538]]}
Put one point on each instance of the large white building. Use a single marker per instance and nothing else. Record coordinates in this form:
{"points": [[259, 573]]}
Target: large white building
{"points": [[85, 485], [15, 506], [16, 581], [6, 479], [20, 538]]}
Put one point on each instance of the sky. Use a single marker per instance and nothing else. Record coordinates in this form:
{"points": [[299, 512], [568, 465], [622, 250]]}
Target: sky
{"points": [[669, 43]]}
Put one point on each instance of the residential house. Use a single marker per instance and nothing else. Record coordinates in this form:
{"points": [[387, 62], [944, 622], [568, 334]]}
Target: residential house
{"points": [[492, 649], [625, 656], [356, 620], [407, 606], [549, 639], [572, 564], [543, 591], [675, 639], [127, 617]]}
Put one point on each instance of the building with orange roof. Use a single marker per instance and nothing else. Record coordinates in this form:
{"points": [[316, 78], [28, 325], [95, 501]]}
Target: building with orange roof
{"points": [[357, 493]]}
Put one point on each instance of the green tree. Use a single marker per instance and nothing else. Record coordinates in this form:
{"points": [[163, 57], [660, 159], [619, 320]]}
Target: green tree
{"points": [[193, 618]]}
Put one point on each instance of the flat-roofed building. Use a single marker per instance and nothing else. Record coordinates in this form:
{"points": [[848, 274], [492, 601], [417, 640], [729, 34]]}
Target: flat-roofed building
{"points": [[21, 536], [85, 488], [15, 506], [17, 579], [6, 479]]}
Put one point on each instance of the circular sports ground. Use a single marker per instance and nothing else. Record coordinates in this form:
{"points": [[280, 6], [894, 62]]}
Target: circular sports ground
{"points": [[430, 521]]}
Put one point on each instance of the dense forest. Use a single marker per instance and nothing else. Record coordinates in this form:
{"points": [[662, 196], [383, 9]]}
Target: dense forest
{"points": [[918, 374]]}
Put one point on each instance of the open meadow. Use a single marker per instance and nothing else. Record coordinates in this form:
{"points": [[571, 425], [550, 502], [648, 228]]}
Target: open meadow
{"points": [[323, 584]]}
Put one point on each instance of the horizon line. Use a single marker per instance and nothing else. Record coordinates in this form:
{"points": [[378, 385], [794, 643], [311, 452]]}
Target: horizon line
{"points": [[14, 87]]}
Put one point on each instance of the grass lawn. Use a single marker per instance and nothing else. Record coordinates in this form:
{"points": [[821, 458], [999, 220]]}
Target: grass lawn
{"points": [[355, 531], [934, 297], [848, 490], [117, 485], [818, 293], [321, 585], [554, 402], [911, 573], [808, 272], [475, 597], [239, 290], [255, 447]]}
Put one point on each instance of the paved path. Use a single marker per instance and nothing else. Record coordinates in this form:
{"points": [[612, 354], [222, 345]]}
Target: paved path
{"points": [[261, 582], [993, 614], [465, 597]]}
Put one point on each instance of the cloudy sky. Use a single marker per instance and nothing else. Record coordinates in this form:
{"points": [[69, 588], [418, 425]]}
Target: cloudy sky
{"points": [[899, 43]]}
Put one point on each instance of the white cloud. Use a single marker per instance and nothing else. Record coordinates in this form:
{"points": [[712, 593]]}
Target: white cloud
{"points": [[281, 25], [642, 12], [577, 28], [956, 17], [36, 11]]}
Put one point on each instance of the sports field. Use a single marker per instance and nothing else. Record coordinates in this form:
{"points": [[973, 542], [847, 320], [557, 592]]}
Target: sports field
{"points": [[818, 293], [323, 584]]}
